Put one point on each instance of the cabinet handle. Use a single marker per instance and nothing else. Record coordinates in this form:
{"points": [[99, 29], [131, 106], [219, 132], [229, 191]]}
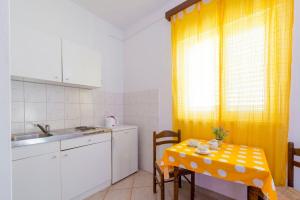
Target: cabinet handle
{"points": [[66, 155], [55, 77], [89, 140], [66, 79], [53, 157]]}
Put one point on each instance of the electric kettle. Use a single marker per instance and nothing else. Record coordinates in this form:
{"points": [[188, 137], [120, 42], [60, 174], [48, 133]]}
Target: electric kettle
{"points": [[110, 121]]}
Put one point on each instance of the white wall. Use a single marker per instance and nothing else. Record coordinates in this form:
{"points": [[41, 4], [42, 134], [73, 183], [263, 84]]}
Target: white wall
{"points": [[5, 149], [148, 66], [67, 20], [294, 132]]}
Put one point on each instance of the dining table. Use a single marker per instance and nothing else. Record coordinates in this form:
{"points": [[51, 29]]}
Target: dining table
{"points": [[237, 163]]}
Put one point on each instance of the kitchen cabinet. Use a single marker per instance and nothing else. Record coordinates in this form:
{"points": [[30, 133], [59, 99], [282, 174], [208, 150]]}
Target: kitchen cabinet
{"points": [[84, 167], [81, 65], [35, 55], [41, 57], [125, 152], [36, 177]]}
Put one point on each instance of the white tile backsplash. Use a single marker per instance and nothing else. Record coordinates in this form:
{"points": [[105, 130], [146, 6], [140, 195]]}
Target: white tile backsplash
{"points": [[86, 96], [34, 92], [87, 122], [72, 111], [17, 127], [55, 111], [98, 96], [71, 95], [61, 106], [86, 111], [56, 124], [69, 123], [35, 112], [17, 112], [55, 94], [17, 93]]}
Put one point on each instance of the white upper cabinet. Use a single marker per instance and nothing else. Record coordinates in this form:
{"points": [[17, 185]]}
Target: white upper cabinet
{"points": [[42, 57], [35, 55], [81, 65]]}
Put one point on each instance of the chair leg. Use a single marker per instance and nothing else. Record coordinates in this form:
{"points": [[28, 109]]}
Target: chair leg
{"points": [[192, 185], [154, 180], [162, 188], [176, 176], [179, 182]]}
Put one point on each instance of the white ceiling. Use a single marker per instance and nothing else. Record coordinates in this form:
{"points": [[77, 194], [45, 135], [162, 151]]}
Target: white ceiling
{"points": [[121, 13]]}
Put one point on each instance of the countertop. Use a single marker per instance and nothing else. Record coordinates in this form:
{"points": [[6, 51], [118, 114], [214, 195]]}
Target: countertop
{"points": [[57, 135], [123, 127]]}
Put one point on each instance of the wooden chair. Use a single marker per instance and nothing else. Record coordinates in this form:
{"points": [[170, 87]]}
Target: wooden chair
{"points": [[283, 193], [168, 137], [289, 193]]}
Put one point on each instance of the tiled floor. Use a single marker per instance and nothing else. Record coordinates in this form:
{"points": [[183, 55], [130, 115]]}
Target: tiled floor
{"points": [[139, 187]]}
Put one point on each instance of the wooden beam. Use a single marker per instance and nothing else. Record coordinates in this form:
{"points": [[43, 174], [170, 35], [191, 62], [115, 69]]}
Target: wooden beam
{"points": [[179, 8]]}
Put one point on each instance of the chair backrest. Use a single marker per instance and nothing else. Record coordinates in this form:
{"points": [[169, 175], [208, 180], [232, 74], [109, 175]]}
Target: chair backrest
{"points": [[291, 162], [165, 137]]}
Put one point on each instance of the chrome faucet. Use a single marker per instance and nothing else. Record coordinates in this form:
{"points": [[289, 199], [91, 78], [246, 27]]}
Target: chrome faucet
{"points": [[45, 129]]}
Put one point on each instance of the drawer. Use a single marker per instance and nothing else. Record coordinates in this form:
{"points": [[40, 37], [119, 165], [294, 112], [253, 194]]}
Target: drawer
{"points": [[34, 150], [84, 140]]}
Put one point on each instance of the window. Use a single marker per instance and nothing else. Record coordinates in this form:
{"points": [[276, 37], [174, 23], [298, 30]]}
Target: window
{"points": [[244, 70], [202, 74]]}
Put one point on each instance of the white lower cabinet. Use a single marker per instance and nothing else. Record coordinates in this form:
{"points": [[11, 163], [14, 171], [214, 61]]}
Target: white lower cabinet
{"points": [[85, 168], [69, 169], [125, 153], [37, 178]]}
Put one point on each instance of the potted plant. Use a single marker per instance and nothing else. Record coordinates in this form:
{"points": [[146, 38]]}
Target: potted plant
{"points": [[220, 134]]}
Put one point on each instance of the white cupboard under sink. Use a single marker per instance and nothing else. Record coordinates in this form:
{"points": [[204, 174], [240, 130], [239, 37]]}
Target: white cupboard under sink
{"points": [[81, 65], [35, 55], [36, 172], [68, 169], [37, 178]]}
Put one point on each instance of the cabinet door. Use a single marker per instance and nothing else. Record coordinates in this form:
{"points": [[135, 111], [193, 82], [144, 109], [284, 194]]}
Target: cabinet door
{"points": [[133, 135], [84, 168], [36, 178], [125, 154], [35, 55], [81, 65]]}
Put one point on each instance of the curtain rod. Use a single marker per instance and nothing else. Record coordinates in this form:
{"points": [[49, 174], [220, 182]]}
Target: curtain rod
{"points": [[179, 8]]}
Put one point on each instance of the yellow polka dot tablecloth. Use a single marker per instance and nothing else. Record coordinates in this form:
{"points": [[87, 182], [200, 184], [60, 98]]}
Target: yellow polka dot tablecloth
{"points": [[237, 163]]}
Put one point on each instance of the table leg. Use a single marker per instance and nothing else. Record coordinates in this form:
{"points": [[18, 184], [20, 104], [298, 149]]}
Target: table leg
{"points": [[176, 183]]}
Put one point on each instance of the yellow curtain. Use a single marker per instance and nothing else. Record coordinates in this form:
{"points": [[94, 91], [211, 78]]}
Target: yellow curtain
{"points": [[231, 67]]}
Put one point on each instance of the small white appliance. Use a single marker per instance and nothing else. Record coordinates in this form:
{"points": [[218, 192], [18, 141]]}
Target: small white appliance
{"points": [[124, 152], [110, 121]]}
